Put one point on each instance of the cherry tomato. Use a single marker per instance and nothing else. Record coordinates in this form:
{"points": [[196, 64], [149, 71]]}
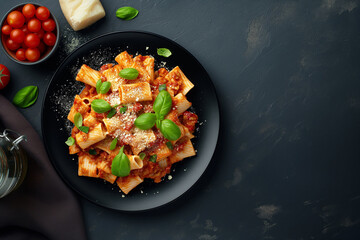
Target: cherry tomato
{"points": [[48, 25], [17, 35], [32, 54], [40, 33], [42, 13], [49, 39], [12, 45], [32, 40], [20, 54], [15, 19], [34, 25], [25, 29], [6, 29], [4, 76], [29, 10], [42, 47]]}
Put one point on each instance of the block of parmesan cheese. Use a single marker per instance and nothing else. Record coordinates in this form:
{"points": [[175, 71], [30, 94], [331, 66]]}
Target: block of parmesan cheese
{"points": [[82, 13]]}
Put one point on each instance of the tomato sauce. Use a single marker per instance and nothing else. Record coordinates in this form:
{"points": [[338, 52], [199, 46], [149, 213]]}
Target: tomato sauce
{"points": [[189, 120], [105, 67]]}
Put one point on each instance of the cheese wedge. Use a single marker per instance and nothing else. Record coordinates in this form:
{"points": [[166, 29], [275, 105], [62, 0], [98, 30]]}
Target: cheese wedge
{"points": [[82, 13]]}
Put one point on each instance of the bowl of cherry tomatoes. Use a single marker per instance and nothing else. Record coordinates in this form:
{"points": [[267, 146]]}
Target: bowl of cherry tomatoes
{"points": [[29, 33]]}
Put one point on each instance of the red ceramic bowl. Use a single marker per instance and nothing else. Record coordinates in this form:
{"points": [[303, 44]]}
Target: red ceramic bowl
{"points": [[11, 54]]}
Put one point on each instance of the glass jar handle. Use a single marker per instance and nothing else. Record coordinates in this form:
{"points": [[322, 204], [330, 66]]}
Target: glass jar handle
{"points": [[16, 141]]}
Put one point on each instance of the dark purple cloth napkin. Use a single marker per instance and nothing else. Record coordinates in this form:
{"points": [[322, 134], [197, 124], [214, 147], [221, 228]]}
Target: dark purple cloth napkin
{"points": [[42, 207]]}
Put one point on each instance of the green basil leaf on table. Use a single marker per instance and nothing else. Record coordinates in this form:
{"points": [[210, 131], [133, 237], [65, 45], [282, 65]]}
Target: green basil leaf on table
{"points": [[127, 13], [129, 73], [121, 164], [105, 87], [113, 144], [100, 106], [162, 104], [169, 145], [153, 158], [142, 156], [145, 121], [26, 96], [170, 130], [164, 52], [98, 85], [70, 141]]}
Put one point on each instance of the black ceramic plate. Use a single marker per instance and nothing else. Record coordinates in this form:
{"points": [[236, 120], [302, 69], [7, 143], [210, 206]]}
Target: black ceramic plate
{"points": [[59, 98]]}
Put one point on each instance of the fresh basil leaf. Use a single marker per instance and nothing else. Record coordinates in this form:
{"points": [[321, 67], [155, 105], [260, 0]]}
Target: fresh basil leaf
{"points": [[105, 87], [98, 85], [158, 123], [92, 152], [111, 113], [129, 73], [26, 96], [100, 105], [153, 158], [121, 164], [127, 13], [170, 130], [113, 144], [169, 145], [78, 119], [145, 121], [70, 141], [162, 104], [142, 156], [84, 129], [162, 87], [164, 52], [123, 109]]}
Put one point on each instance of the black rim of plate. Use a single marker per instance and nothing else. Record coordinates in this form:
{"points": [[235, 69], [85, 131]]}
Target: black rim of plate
{"points": [[150, 198]]}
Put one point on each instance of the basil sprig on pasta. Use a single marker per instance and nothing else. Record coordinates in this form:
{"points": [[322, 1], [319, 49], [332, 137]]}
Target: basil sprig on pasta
{"points": [[100, 106], [169, 145], [142, 155], [121, 164], [153, 158], [162, 106], [113, 144], [129, 73], [102, 87], [78, 121], [145, 121], [70, 141]]}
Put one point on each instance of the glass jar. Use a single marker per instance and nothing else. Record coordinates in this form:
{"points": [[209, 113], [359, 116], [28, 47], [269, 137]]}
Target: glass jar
{"points": [[13, 162]]}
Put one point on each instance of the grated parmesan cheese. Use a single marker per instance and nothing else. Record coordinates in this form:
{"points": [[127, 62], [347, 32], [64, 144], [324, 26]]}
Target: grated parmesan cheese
{"points": [[113, 98], [142, 139]]}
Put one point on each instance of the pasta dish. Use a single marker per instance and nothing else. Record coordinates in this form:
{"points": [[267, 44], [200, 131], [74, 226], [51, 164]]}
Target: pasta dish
{"points": [[131, 122]]}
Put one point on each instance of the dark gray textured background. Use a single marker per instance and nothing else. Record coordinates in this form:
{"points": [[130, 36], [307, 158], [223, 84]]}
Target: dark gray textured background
{"points": [[287, 75]]}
